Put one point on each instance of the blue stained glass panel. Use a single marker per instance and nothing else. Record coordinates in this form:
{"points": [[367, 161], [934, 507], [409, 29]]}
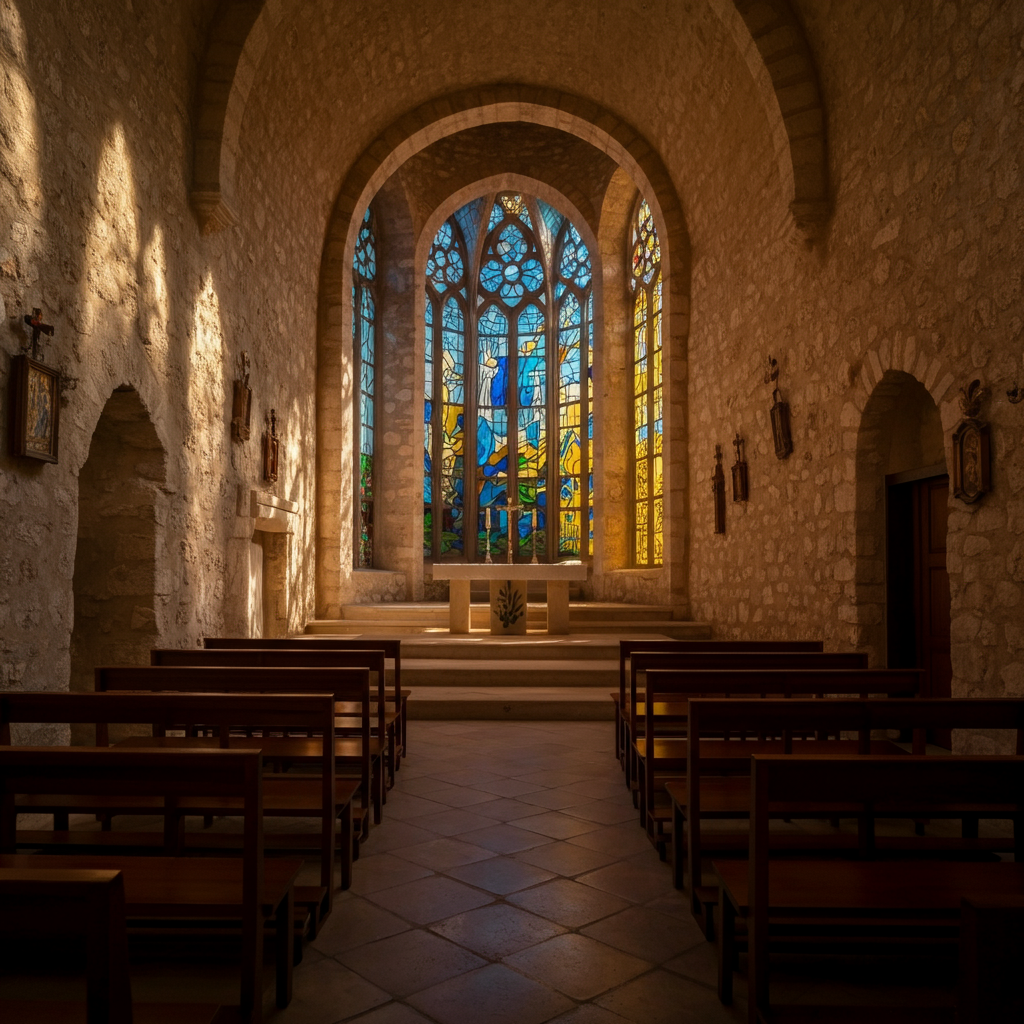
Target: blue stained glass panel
{"points": [[551, 217], [469, 217], [511, 245]]}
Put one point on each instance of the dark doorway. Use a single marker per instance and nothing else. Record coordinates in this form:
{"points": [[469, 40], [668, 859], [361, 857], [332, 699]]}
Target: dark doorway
{"points": [[917, 585]]}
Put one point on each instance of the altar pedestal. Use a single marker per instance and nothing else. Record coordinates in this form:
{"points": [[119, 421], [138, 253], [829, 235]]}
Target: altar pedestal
{"points": [[506, 582]]}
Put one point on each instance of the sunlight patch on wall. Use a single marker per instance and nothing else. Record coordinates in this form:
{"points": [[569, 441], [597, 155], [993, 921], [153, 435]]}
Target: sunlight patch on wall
{"points": [[154, 312], [112, 244]]}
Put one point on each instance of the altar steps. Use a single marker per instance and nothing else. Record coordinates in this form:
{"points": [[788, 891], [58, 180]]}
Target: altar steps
{"points": [[409, 618], [536, 677]]}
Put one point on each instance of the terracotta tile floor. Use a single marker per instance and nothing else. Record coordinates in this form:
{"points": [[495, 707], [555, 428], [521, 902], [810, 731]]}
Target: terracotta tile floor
{"points": [[510, 882]]}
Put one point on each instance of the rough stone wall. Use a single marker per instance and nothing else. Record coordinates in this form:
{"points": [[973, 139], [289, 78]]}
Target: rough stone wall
{"points": [[95, 228], [920, 273]]}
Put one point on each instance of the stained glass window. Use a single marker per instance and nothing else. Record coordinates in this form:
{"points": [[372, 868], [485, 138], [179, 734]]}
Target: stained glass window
{"points": [[648, 434], [444, 398], [364, 337], [515, 389]]}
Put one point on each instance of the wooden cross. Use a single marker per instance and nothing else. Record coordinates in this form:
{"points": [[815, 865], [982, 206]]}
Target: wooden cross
{"points": [[35, 321]]}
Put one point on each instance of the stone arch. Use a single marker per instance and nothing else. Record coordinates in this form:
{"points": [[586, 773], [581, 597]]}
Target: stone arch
{"points": [[121, 519], [900, 431], [775, 46], [766, 32]]}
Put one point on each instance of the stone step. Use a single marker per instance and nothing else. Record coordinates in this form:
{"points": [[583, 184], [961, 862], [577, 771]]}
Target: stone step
{"points": [[508, 673], [532, 647], [522, 703], [677, 629]]}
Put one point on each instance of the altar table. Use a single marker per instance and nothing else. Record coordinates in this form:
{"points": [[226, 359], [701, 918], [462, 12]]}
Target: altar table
{"points": [[461, 574]]}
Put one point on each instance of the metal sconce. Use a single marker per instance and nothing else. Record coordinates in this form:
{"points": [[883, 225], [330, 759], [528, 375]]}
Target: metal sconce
{"points": [[779, 413], [740, 486], [718, 491], [270, 449]]}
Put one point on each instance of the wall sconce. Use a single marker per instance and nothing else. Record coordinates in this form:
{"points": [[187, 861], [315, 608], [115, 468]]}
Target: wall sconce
{"points": [[718, 491], [270, 449], [241, 406], [779, 413], [740, 488]]}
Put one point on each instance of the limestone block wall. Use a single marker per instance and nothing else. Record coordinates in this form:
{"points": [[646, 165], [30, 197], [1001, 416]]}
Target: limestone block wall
{"points": [[95, 228], [919, 273]]}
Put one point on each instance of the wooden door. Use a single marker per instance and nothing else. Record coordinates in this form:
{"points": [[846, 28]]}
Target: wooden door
{"points": [[918, 612]]}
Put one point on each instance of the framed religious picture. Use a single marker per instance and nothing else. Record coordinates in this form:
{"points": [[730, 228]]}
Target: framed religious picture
{"points": [[36, 408]]}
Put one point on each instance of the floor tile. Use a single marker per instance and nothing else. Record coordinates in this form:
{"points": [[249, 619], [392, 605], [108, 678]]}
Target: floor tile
{"points": [[699, 964], [665, 998], [568, 903], [579, 966], [505, 809], [467, 777], [554, 799], [556, 825], [430, 899], [323, 990], [497, 930], [590, 1014], [647, 934], [566, 859], [383, 871], [396, 835], [508, 787], [405, 807], [501, 875], [604, 812], [354, 922], [505, 838], [453, 821], [396, 1013], [639, 879], [442, 854], [622, 840], [493, 994], [410, 962]]}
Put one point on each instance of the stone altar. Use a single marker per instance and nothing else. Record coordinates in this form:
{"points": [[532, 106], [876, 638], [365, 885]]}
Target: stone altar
{"points": [[516, 575]]}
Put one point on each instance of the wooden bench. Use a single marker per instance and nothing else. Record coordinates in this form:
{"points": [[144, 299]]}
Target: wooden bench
{"points": [[392, 649], [383, 717], [643, 661], [39, 904], [991, 952], [861, 904], [666, 704], [717, 785], [627, 648], [360, 756], [243, 890], [321, 796]]}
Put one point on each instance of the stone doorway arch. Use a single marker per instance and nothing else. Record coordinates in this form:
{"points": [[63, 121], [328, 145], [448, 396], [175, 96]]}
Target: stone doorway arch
{"points": [[121, 520]]}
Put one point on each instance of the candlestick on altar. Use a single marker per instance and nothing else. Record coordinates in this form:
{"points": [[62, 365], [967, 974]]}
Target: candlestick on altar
{"points": [[533, 519], [487, 535]]}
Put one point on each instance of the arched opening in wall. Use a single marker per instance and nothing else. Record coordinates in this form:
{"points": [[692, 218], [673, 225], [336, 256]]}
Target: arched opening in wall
{"points": [[903, 494], [120, 520]]}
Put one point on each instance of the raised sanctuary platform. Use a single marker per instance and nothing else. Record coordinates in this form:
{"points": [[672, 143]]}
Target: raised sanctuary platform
{"points": [[537, 676]]}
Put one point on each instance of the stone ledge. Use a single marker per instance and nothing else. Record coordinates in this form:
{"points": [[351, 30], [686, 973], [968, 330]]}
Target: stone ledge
{"points": [[271, 513]]}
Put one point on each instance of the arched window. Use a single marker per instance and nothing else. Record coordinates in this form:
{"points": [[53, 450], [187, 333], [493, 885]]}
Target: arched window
{"points": [[508, 398], [364, 338], [645, 281]]}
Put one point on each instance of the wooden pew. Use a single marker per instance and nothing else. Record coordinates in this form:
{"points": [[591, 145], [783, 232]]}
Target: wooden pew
{"points": [[717, 785], [43, 903], [324, 797], [991, 952], [361, 756], [643, 661], [383, 723], [876, 904], [627, 648], [669, 690], [392, 649], [243, 890]]}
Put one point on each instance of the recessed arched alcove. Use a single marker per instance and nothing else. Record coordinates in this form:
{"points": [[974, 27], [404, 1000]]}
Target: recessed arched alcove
{"points": [[120, 518], [900, 522]]}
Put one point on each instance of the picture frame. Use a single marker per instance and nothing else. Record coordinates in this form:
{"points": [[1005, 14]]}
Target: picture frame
{"points": [[971, 461], [35, 429]]}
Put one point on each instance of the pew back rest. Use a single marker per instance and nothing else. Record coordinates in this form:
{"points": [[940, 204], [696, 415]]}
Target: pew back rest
{"points": [[281, 658], [647, 661]]}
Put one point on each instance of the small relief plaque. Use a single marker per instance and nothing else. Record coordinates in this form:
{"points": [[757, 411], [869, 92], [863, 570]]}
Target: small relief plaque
{"points": [[270, 449], [971, 454]]}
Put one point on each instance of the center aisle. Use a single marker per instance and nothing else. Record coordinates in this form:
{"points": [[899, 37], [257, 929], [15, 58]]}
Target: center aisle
{"points": [[510, 883]]}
